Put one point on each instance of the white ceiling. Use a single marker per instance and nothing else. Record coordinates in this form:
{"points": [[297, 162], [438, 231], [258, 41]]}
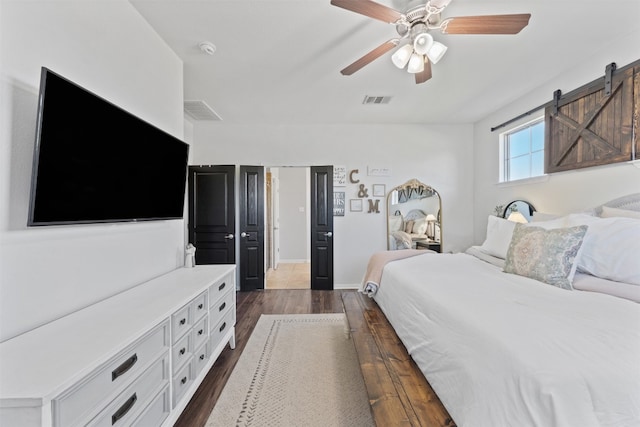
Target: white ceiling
{"points": [[278, 61]]}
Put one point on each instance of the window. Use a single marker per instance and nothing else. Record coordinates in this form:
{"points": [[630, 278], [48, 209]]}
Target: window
{"points": [[523, 152]]}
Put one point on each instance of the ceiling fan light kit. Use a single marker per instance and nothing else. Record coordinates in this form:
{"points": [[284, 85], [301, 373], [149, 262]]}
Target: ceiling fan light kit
{"points": [[401, 56], [416, 23], [416, 64]]}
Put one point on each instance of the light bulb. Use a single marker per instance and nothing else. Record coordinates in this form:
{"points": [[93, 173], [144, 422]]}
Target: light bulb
{"points": [[416, 64], [436, 52], [422, 43], [402, 55]]}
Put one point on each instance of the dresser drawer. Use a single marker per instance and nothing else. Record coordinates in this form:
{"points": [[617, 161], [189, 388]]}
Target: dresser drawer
{"points": [[221, 287], [181, 322], [200, 332], [157, 411], [134, 399], [181, 383], [182, 351], [218, 331], [82, 400], [200, 358], [200, 306], [220, 309]]}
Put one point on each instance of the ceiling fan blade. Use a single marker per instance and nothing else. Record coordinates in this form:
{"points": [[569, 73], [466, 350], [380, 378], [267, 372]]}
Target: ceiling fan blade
{"points": [[488, 24], [369, 57], [426, 74], [369, 8]]}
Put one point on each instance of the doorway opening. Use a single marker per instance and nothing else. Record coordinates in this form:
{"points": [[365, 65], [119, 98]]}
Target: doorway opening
{"points": [[287, 243]]}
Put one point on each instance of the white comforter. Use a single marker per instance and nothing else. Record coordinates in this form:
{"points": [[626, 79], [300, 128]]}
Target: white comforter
{"points": [[504, 350]]}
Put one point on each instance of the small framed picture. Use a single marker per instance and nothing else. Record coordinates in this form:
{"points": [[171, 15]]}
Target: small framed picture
{"points": [[355, 205], [378, 190]]}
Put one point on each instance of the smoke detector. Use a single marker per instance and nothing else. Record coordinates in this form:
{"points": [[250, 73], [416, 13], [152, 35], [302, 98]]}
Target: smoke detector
{"points": [[207, 47]]}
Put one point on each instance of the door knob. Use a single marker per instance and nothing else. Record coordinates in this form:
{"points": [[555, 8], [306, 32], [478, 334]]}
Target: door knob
{"points": [[243, 234], [229, 236], [328, 234]]}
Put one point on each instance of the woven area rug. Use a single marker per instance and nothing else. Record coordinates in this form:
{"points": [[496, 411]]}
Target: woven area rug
{"points": [[296, 370]]}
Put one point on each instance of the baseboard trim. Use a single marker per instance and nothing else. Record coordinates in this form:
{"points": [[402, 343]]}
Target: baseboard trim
{"points": [[294, 261], [346, 286]]}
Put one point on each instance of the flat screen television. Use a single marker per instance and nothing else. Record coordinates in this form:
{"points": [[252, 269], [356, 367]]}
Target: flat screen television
{"points": [[96, 163]]}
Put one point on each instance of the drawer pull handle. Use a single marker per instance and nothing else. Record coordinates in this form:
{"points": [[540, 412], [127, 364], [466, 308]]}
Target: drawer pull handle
{"points": [[224, 325], [122, 369], [183, 381], [201, 331], [182, 350], [126, 407], [221, 287], [183, 321], [202, 357], [200, 306], [224, 304]]}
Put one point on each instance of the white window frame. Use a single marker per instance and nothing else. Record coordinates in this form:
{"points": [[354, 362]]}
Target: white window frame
{"points": [[504, 152]]}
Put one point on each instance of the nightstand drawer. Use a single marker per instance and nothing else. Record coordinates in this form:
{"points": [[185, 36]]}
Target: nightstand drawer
{"points": [[135, 398], [77, 403]]}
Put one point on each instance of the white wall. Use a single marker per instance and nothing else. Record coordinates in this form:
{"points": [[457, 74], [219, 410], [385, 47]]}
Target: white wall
{"points": [[109, 49], [294, 236], [440, 156], [561, 192]]}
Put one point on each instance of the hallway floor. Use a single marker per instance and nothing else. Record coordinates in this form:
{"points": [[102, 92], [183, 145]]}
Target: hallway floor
{"points": [[290, 276]]}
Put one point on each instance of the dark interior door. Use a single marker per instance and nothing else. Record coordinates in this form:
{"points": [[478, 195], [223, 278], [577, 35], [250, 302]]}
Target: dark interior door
{"points": [[322, 227], [212, 213], [251, 228]]}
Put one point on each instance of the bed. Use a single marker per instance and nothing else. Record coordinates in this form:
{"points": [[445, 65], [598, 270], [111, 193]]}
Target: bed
{"points": [[505, 349]]}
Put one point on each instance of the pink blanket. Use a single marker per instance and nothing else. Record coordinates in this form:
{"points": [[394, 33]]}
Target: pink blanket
{"points": [[371, 281]]}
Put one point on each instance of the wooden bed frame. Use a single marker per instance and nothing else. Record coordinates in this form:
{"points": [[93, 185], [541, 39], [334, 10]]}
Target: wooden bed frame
{"points": [[398, 392]]}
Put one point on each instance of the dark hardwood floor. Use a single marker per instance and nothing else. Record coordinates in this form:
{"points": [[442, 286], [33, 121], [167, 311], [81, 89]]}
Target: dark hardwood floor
{"points": [[250, 305]]}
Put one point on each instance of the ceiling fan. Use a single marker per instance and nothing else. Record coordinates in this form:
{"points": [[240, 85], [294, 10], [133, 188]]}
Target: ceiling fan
{"points": [[416, 24]]}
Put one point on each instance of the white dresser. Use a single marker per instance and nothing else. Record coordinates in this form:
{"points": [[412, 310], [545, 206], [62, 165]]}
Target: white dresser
{"points": [[134, 359]]}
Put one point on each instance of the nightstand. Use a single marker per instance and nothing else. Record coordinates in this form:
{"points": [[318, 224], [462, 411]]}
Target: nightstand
{"points": [[424, 244]]}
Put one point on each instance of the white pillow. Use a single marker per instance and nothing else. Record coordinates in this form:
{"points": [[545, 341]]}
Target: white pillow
{"points": [[611, 247], [420, 226], [539, 216], [608, 212], [499, 233], [395, 223]]}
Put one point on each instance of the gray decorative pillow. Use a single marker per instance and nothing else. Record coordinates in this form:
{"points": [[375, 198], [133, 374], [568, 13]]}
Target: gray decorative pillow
{"points": [[545, 255]]}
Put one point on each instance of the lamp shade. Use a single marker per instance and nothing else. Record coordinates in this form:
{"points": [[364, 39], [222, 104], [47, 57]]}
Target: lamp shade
{"points": [[416, 64], [422, 43], [436, 52], [402, 55], [517, 217]]}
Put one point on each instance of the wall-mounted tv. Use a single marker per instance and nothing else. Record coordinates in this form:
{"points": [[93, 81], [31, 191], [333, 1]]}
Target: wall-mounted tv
{"points": [[95, 162]]}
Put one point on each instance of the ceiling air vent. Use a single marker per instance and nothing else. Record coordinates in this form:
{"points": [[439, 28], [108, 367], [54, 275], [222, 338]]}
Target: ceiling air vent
{"points": [[376, 100], [199, 110]]}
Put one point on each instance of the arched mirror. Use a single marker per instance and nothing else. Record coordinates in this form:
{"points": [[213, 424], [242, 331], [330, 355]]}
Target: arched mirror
{"points": [[519, 211], [414, 218]]}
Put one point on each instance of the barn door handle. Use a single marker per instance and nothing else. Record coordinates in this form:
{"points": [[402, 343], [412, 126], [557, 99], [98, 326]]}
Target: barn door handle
{"points": [[229, 236], [244, 234], [328, 234]]}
